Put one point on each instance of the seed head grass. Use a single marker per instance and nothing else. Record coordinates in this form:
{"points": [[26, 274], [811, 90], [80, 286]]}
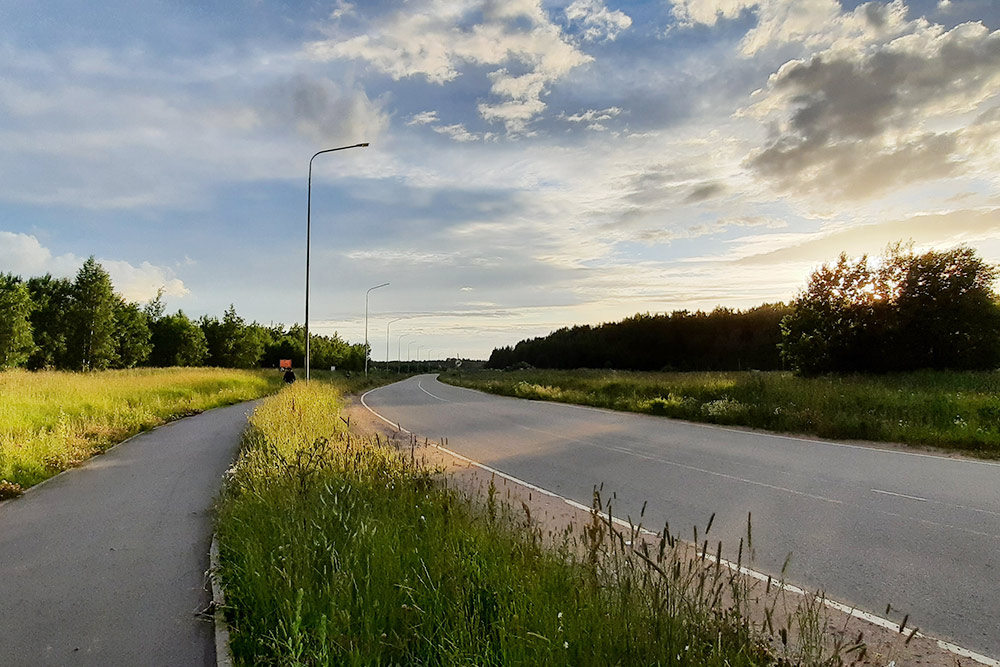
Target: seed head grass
{"points": [[341, 550], [53, 420]]}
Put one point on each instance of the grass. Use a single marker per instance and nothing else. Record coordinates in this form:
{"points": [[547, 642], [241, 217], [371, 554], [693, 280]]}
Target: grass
{"points": [[51, 421], [337, 550], [956, 410]]}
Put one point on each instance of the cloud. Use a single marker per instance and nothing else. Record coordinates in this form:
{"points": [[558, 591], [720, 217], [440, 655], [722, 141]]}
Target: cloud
{"points": [[598, 22], [423, 118], [852, 125], [457, 132], [24, 255], [322, 111], [809, 24], [592, 115], [435, 39], [930, 230]]}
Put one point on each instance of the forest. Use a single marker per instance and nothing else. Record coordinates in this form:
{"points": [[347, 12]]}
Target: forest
{"points": [[83, 324], [900, 311]]}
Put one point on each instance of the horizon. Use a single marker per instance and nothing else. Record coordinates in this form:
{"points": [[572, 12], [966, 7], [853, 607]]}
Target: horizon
{"points": [[533, 165]]}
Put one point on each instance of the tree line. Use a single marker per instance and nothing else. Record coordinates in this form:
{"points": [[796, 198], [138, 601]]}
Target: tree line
{"points": [[48, 322], [901, 311]]}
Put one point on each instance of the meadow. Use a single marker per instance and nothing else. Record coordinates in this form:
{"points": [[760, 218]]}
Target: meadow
{"points": [[54, 420], [953, 410], [342, 550]]}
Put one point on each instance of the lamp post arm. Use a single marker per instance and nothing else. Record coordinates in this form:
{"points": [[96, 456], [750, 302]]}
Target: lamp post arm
{"points": [[309, 233]]}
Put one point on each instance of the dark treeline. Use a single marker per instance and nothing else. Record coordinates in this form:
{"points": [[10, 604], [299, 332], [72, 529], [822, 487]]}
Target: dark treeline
{"points": [[901, 312], [48, 322], [723, 339]]}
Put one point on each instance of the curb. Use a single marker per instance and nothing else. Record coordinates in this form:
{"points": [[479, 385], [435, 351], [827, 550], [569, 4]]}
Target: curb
{"points": [[223, 656]]}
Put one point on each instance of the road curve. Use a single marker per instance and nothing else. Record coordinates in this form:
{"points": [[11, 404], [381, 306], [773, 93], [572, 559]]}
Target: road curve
{"points": [[104, 565], [868, 526]]}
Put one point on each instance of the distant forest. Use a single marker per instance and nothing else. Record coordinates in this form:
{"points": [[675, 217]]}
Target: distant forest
{"points": [[48, 322], [901, 311]]}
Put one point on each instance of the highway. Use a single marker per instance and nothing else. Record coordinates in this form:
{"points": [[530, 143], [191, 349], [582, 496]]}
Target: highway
{"points": [[867, 525]]}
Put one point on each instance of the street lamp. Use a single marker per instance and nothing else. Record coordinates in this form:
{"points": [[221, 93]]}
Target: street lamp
{"points": [[399, 357], [387, 338], [309, 234], [366, 322]]}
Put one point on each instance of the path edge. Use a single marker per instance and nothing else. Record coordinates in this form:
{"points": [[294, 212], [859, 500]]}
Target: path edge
{"points": [[223, 655]]}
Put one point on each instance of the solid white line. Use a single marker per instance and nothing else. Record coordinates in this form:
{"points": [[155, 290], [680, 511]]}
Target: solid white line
{"points": [[839, 606], [900, 495], [390, 423], [758, 433], [420, 386]]}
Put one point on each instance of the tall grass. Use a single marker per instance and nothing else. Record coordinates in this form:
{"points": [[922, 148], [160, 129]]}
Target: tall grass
{"points": [[50, 421], [944, 409], [336, 550]]}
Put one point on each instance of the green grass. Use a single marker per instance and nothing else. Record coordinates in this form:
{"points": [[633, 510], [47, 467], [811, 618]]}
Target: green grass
{"points": [[944, 409], [336, 550], [51, 421]]}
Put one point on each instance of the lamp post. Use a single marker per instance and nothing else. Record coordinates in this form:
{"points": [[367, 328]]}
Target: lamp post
{"points": [[309, 234], [387, 338], [399, 357], [366, 322], [408, 356]]}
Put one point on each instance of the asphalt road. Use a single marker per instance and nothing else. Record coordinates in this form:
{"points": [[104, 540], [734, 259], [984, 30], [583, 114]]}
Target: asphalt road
{"points": [[104, 565], [869, 526]]}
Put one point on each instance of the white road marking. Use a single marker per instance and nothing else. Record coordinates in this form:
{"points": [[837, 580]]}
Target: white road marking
{"points": [[900, 495], [760, 576], [420, 386]]}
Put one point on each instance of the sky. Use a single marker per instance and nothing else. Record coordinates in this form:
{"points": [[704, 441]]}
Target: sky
{"points": [[533, 164]]}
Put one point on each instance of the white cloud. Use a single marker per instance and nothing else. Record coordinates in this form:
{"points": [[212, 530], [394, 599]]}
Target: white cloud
{"points": [[24, 255], [592, 115], [599, 23], [857, 124], [433, 41], [423, 118], [457, 132]]}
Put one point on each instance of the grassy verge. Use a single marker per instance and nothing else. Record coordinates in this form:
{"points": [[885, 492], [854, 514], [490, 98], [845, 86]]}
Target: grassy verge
{"points": [[943, 409], [336, 550], [51, 421]]}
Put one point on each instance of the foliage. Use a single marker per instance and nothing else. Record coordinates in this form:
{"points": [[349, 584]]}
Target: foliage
{"points": [[177, 341], [15, 324], [133, 342], [724, 339], [945, 409], [336, 550], [91, 344], [902, 312], [52, 420], [231, 343], [52, 299]]}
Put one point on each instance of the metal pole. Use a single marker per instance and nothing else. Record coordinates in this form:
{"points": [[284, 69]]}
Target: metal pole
{"points": [[366, 323], [399, 356], [309, 234], [387, 338]]}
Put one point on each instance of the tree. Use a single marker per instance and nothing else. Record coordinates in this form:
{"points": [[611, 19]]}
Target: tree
{"points": [[907, 311], [52, 299], [231, 342], [92, 319], [132, 335], [16, 343], [177, 341]]}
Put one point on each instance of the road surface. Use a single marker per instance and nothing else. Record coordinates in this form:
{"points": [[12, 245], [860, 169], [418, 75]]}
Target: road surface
{"points": [[104, 565], [869, 526]]}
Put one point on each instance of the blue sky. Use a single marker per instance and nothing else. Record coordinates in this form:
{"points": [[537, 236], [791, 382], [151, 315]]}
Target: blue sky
{"points": [[533, 164]]}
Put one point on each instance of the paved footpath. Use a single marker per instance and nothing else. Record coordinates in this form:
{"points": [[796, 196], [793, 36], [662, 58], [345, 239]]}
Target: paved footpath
{"points": [[104, 565]]}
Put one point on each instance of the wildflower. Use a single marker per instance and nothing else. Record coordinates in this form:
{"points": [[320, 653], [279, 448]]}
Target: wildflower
{"points": [[565, 644]]}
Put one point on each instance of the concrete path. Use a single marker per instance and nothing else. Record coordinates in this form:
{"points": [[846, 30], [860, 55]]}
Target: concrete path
{"points": [[104, 565], [870, 526]]}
